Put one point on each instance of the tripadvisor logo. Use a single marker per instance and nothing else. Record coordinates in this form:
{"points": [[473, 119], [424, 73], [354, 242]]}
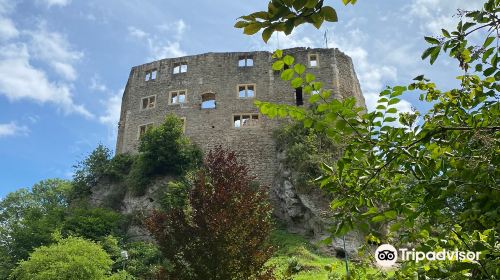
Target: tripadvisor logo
{"points": [[386, 255]]}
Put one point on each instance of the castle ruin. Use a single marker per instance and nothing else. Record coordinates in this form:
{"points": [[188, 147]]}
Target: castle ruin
{"points": [[214, 94]]}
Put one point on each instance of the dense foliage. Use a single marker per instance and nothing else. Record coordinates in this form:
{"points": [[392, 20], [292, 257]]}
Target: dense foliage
{"points": [[71, 259], [222, 232], [28, 219], [304, 151], [432, 181], [163, 150]]}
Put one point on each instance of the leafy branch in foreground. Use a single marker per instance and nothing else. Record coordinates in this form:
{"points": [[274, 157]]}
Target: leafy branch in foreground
{"points": [[284, 15], [431, 182]]}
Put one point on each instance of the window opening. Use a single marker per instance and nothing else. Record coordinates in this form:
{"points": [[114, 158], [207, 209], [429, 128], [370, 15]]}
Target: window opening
{"points": [[245, 61], [148, 102], [313, 60], [208, 100], [180, 67], [178, 97], [299, 100], [245, 120], [246, 91]]}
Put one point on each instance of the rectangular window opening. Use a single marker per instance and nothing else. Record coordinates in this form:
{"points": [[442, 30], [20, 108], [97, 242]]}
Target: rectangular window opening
{"points": [[144, 128], [299, 100], [177, 97], [148, 102], [246, 91], [245, 61], [313, 60], [245, 120], [150, 75], [180, 67]]}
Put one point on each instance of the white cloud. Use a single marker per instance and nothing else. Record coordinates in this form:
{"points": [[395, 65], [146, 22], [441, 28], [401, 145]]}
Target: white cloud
{"points": [[111, 116], [12, 129], [137, 33], [112, 110], [95, 84], [54, 49], [7, 29], [50, 3], [437, 14], [20, 80], [165, 44]]}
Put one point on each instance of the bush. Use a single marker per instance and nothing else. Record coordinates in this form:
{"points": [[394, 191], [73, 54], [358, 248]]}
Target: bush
{"points": [[163, 150], [92, 223], [223, 232], [89, 171], [71, 258], [305, 151]]}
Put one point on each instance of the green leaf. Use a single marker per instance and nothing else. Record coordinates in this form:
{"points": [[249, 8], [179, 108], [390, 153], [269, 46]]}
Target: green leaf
{"points": [[431, 40], [287, 74], [288, 60], [427, 52], [278, 65], [297, 82], [299, 68], [391, 214], [240, 24], [389, 119], [329, 13], [252, 28], [378, 218], [337, 203], [380, 107], [317, 20], [310, 78], [314, 98], [308, 123], [311, 3], [278, 54], [392, 111], [322, 107], [488, 41], [394, 101], [435, 54], [446, 33], [487, 54], [266, 34]]}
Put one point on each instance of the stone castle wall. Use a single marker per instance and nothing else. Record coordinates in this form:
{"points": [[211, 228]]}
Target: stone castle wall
{"points": [[219, 73]]}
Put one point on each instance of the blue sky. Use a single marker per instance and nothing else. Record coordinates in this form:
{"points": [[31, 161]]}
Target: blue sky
{"points": [[64, 63]]}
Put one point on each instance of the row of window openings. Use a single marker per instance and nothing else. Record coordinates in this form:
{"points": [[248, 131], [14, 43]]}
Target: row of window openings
{"points": [[239, 121], [244, 61], [207, 99]]}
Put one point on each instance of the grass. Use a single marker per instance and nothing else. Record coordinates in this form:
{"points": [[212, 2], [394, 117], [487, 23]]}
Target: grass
{"points": [[297, 259]]}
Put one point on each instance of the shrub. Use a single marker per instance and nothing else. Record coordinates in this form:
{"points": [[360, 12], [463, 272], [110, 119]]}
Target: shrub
{"points": [[71, 258], [91, 223], [223, 232], [119, 166], [89, 171], [305, 150], [163, 150]]}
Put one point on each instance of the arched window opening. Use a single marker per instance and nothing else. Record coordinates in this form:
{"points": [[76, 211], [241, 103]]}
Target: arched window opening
{"points": [[208, 100]]}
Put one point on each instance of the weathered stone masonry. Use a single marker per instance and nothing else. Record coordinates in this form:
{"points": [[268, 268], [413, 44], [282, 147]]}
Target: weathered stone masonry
{"points": [[220, 74]]}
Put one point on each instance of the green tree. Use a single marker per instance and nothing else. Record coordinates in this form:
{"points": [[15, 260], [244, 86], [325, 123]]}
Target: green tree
{"points": [[163, 150], [71, 258], [28, 218], [432, 183]]}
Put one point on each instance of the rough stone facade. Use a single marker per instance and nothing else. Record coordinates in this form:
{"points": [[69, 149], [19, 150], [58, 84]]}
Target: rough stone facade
{"points": [[220, 74]]}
